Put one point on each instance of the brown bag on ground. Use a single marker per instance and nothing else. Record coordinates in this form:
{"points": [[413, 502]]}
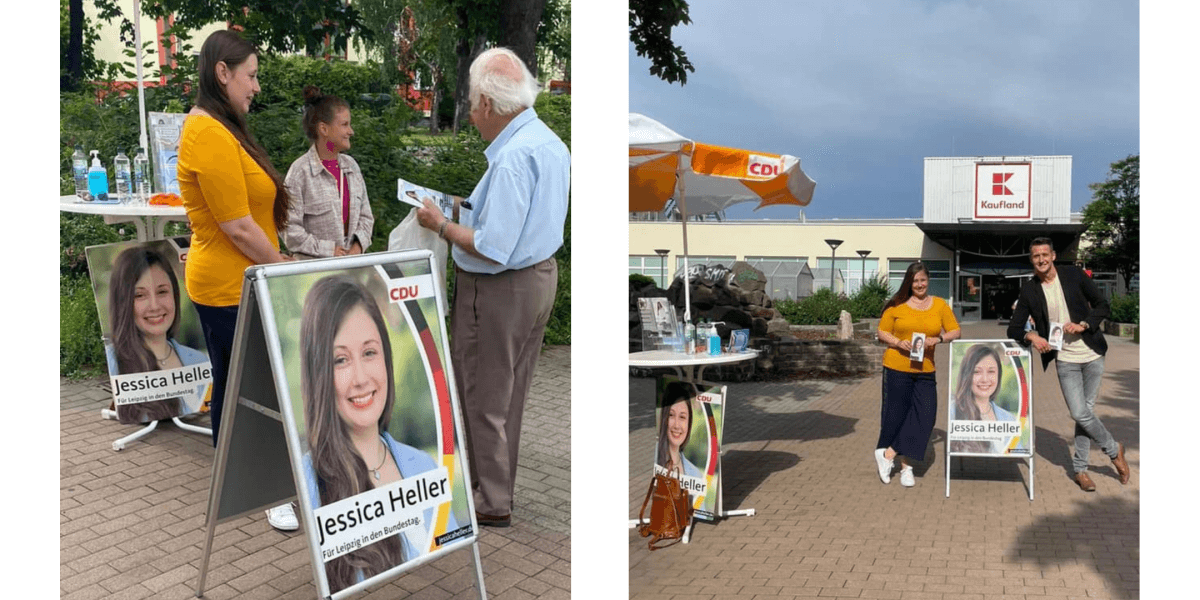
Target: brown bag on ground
{"points": [[670, 511]]}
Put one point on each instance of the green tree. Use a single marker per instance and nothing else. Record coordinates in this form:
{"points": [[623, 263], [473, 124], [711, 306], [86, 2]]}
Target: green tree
{"points": [[76, 40], [313, 26], [650, 23], [1112, 219]]}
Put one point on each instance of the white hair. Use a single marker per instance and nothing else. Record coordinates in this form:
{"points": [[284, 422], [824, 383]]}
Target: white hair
{"points": [[501, 75]]}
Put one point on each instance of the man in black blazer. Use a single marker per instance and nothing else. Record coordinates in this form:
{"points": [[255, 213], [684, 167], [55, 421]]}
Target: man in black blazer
{"points": [[1067, 296]]}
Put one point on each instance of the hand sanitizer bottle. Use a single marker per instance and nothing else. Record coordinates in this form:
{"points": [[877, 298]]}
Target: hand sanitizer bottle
{"points": [[97, 179]]}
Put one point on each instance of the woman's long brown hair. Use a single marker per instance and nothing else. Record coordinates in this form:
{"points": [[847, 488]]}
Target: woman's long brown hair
{"points": [[230, 48], [964, 399]]}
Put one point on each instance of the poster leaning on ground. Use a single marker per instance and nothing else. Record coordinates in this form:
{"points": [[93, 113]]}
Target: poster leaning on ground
{"points": [[378, 458], [153, 344], [990, 405], [689, 420]]}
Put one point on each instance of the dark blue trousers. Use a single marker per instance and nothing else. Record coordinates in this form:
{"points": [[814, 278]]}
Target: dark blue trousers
{"points": [[219, 324], [908, 413]]}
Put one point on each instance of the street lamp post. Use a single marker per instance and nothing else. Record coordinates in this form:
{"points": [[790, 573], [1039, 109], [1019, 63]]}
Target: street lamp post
{"points": [[833, 245], [662, 256], [862, 274]]}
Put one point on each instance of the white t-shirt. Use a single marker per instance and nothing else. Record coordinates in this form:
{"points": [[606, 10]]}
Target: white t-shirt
{"points": [[1074, 350]]}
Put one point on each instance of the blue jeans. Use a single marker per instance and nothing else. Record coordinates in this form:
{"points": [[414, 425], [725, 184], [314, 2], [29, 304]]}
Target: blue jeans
{"points": [[1080, 384]]}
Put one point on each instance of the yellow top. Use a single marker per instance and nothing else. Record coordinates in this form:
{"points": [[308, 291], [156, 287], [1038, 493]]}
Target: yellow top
{"points": [[219, 182], [902, 321]]}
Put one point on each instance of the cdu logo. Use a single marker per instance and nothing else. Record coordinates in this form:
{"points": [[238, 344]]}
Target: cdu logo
{"points": [[765, 167]]}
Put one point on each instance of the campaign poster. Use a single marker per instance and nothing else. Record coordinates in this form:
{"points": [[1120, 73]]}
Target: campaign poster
{"points": [[381, 474], [165, 129], [153, 343], [990, 402], [689, 420]]}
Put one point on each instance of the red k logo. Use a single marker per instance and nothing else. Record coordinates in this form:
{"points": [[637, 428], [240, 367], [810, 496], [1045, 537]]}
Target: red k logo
{"points": [[998, 187]]}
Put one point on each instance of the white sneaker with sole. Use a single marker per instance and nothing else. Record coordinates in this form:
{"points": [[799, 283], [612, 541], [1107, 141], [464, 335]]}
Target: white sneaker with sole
{"points": [[283, 517], [906, 477], [884, 465]]}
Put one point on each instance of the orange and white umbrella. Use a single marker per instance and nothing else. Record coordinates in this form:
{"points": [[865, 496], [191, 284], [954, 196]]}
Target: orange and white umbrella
{"points": [[704, 178]]}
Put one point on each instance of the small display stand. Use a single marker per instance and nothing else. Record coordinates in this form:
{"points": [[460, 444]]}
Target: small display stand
{"points": [[327, 353], [990, 403]]}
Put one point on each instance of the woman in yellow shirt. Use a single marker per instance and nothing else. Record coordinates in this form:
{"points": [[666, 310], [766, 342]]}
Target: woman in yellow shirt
{"points": [[235, 199], [909, 407]]}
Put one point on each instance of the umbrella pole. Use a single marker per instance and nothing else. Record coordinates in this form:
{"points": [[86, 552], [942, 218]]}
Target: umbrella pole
{"points": [[687, 280], [141, 88]]}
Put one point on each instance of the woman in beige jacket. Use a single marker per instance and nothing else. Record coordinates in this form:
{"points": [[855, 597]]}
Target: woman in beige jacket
{"points": [[330, 214]]}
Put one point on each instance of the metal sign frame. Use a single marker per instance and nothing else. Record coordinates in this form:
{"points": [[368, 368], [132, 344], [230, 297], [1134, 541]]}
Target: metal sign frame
{"points": [[1008, 345], [259, 451]]}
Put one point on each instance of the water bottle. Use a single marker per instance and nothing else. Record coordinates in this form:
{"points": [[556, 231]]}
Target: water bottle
{"points": [[79, 168], [689, 338], [141, 177], [122, 171]]}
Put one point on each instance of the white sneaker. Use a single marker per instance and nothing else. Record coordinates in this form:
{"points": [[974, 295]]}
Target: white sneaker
{"points": [[884, 465], [283, 517], [906, 477]]}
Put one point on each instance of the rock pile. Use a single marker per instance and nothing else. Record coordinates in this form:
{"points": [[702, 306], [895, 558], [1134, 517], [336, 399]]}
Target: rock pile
{"points": [[735, 297]]}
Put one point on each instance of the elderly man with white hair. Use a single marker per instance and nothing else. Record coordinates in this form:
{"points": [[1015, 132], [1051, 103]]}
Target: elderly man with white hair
{"points": [[503, 245]]}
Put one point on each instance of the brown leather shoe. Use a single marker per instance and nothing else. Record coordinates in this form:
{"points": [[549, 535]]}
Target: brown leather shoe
{"points": [[1085, 482], [493, 520], [1121, 465]]}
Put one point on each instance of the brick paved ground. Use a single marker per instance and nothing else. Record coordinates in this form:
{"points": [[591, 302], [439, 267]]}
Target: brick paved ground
{"points": [[800, 454], [132, 522]]}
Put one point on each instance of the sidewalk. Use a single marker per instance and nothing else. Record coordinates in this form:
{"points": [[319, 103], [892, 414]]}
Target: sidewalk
{"points": [[800, 454], [132, 522]]}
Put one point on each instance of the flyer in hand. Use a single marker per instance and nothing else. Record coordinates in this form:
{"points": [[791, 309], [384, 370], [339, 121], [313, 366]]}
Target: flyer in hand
{"points": [[413, 194]]}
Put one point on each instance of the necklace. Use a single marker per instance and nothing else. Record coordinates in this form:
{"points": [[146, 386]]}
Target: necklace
{"points": [[170, 351], [375, 471]]}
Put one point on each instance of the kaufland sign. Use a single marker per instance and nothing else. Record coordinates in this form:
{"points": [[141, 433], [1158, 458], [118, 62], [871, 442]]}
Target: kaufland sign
{"points": [[1002, 191]]}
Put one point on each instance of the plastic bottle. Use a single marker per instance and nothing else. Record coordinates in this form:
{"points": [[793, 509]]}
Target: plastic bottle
{"points": [[714, 340], [97, 179], [79, 168], [121, 168], [141, 177], [689, 338]]}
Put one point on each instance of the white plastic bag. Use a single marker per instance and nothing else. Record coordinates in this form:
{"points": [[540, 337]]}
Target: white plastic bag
{"points": [[409, 234]]}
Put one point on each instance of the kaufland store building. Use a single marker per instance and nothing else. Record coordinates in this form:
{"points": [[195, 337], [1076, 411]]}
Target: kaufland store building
{"points": [[980, 213]]}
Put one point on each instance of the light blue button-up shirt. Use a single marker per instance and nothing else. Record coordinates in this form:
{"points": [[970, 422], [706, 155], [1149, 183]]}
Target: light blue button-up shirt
{"points": [[519, 206]]}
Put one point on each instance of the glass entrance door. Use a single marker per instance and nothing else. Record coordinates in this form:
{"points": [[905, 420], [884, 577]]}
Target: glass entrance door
{"points": [[970, 288]]}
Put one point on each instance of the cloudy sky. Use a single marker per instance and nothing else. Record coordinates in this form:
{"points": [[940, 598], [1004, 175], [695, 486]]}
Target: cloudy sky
{"points": [[862, 91]]}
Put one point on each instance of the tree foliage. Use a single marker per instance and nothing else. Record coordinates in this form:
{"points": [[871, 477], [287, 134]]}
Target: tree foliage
{"points": [[1112, 219], [650, 23], [312, 26]]}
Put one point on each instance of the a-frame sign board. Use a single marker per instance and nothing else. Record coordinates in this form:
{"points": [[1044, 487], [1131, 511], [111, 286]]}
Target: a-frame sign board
{"points": [[340, 396], [990, 403]]}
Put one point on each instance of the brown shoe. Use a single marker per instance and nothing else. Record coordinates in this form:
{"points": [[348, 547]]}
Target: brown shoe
{"points": [[493, 520], [1121, 465], [1085, 482]]}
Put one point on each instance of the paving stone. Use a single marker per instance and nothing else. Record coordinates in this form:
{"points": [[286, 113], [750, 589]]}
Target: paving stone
{"points": [[799, 453], [132, 523]]}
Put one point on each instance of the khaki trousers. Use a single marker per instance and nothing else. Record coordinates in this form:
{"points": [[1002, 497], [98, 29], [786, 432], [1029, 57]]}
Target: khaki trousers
{"points": [[497, 325]]}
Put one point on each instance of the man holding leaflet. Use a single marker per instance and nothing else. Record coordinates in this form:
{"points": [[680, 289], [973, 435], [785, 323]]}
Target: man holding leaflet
{"points": [[505, 277]]}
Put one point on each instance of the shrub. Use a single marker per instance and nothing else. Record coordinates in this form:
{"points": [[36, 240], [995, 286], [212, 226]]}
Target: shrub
{"points": [[868, 301], [80, 349], [822, 308], [637, 280], [1124, 309]]}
